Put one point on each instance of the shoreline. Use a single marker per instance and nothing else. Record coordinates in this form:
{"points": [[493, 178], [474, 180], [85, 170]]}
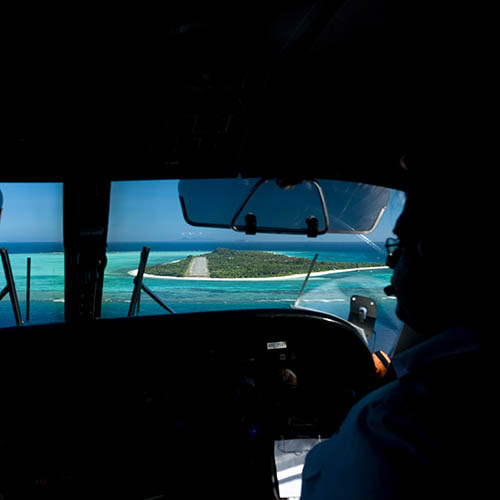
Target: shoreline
{"points": [[133, 272]]}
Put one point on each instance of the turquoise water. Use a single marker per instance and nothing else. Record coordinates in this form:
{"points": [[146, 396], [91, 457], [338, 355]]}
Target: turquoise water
{"points": [[47, 284], [329, 293]]}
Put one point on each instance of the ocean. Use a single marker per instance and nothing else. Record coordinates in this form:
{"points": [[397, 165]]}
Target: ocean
{"points": [[329, 293]]}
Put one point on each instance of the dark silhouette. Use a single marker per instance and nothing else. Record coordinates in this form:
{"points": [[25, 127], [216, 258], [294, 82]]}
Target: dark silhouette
{"points": [[424, 433]]}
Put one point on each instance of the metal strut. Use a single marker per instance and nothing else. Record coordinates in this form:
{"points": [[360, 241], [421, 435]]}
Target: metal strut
{"points": [[139, 285], [10, 288]]}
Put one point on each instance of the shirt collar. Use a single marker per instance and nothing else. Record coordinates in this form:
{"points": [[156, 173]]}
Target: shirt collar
{"points": [[454, 341]]}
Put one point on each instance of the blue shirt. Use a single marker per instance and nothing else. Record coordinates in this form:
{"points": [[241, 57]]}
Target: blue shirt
{"points": [[403, 438]]}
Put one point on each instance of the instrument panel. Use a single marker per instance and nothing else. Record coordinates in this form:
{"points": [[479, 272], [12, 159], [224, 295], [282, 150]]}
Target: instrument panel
{"points": [[109, 410]]}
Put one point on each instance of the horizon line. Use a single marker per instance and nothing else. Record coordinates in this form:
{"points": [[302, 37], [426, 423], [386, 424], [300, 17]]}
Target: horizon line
{"points": [[243, 240]]}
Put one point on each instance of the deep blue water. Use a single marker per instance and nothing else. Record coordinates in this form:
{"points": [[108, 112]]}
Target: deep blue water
{"points": [[330, 293], [36, 247]]}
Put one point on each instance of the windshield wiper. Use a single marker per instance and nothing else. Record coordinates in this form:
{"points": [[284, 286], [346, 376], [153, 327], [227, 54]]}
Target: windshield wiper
{"points": [[306, 279]]}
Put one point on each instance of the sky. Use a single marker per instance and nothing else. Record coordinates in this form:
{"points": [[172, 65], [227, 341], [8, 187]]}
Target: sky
{"points": [[144, 211], [31, 212]]}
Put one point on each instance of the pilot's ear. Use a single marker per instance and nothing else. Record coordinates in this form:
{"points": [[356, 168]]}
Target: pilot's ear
{"points": [[402, 162], [420, 249]]}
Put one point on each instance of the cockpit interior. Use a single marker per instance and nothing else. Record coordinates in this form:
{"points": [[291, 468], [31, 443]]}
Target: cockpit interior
{"points": [[275, 128]]}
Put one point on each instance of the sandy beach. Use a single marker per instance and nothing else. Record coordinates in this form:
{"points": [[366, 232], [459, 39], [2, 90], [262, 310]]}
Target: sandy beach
{"points": [[274, 278]]}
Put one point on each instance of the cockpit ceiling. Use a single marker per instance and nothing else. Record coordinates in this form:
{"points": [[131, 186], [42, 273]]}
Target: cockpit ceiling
{"points": [[208, 89]]}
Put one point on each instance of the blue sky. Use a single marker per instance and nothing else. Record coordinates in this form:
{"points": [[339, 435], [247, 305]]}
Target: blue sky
{"points": [[144, 211], [31, 212]]}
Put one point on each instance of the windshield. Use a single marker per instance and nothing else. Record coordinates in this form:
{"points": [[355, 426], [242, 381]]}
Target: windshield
{"points": [[194, 269], [32, 253]]}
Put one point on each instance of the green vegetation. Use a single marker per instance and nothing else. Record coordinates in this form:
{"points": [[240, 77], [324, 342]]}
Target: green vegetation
{"points": [[225, 263], [177, 269]]}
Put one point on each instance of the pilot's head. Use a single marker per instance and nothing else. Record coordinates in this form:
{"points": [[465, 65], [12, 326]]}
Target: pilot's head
{"points": [[438, 274]]}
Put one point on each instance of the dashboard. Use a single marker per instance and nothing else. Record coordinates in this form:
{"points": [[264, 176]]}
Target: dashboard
{"points": [[186, 404]]}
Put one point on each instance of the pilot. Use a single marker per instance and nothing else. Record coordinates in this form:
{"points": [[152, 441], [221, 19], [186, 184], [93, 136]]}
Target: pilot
{"points": [[424, 434]]}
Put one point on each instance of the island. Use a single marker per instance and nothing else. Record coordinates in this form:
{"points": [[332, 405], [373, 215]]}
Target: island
{"points": [[224, 263]]}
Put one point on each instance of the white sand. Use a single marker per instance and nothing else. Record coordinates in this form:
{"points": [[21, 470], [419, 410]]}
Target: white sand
{"points": [[274, 278]]}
